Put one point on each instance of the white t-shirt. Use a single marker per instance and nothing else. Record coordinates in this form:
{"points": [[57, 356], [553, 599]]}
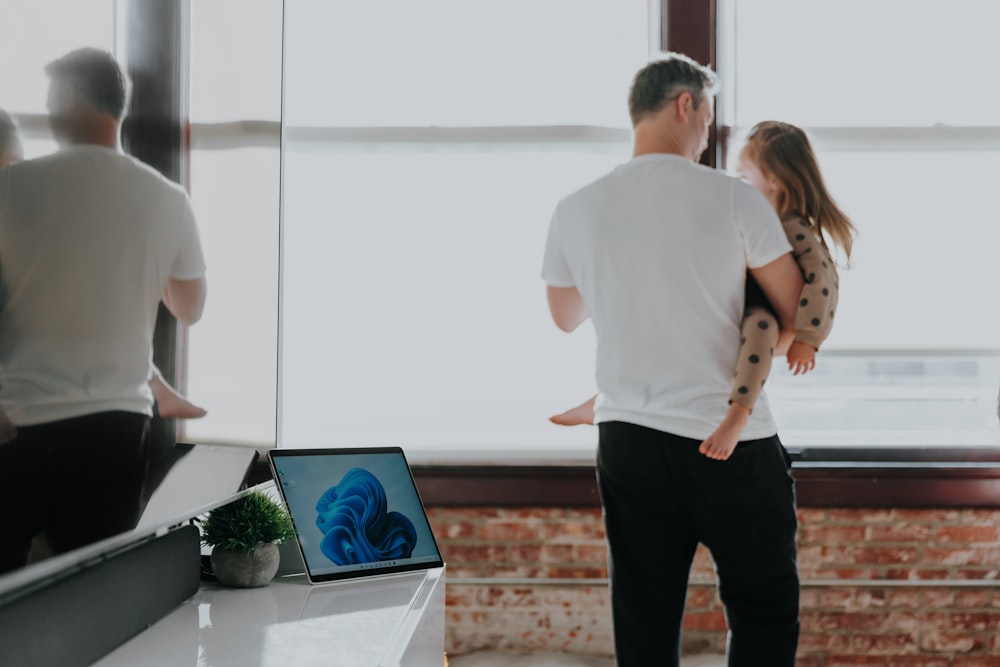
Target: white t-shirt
{"points": [[659, 250], [88, 238]]}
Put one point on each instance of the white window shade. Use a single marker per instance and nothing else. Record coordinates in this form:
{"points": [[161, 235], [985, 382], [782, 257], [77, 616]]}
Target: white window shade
{"points": [[425, 147], [461, 63], [863, 63]]}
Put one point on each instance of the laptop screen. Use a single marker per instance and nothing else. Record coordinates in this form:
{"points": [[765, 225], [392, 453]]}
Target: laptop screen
{"points": [[356, 511]]}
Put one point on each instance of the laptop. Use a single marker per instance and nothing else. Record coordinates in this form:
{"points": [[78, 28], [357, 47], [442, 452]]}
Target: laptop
{"points": [[356, 512]]}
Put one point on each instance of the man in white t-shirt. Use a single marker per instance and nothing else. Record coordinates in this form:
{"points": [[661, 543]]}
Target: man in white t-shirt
{"points": [[656, 255], [91, 240]]}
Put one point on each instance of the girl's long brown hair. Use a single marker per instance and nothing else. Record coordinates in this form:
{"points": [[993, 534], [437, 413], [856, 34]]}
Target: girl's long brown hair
{"points": [[782, 151]]}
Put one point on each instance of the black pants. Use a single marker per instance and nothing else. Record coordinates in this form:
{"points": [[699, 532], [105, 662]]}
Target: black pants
{"points": [[77, 480], [661, 498]]}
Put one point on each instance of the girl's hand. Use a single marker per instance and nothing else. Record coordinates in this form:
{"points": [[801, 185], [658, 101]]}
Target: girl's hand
{"points": [[801, 357]]}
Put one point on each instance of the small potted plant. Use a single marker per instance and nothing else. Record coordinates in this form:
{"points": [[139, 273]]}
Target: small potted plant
{"points": [[244, 535]]}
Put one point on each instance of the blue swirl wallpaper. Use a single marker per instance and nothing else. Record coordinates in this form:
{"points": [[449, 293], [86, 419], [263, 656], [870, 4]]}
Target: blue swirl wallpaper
{"points": [[356, 511], [357, 526]]}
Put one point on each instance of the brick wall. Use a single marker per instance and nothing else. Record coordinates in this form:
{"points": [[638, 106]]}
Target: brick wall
{"points": [[925, 603]]}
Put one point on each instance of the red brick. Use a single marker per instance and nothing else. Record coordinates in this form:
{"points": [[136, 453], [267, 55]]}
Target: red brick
{"points": [[810, 553], [927, 515], [839, 598], [959, 556], [454, 530], [976, 661], [854, 660], [865, 516], [507, 531], [522, 513], [525, 553], [466, 513], [456, 553], [852, 621], [824, 643], [842, 555], [918, 661], [882, 644], [886, 555], [900, 532], [591, 553], [903, 598], [969, 534], [915, 621], [977, 621], [939, 598], [812, 515], [916, 574], [700, 597], [980, 516], [575, 573], [982, 599], [808, 661], [809, 597], [709, 620], [557, 553], [831, 534], [955, 642], [839, 573], [573, 530], [458, 570], [699, 642], [973, 574], [513, 571]]}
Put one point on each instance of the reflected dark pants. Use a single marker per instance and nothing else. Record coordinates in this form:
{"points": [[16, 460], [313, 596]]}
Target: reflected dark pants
{"points": [[661, 498], [77, 480]]}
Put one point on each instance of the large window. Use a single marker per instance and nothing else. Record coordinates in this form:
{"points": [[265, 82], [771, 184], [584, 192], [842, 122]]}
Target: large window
{"points": [[423, 157], [905, 118]]}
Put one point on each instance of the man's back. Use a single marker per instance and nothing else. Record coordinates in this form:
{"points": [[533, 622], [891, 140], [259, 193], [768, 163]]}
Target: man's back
{"points": [[88, 240], [658, 250]]}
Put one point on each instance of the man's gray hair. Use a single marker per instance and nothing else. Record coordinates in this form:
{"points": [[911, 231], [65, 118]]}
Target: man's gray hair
{"points": [[97, 76], [661, 81]]}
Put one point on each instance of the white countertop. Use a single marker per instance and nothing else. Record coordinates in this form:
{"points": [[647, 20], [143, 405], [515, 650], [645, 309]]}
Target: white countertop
{"points": [[385, 621]]}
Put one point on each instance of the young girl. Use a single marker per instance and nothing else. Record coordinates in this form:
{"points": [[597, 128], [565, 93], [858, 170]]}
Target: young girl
{"points": [[779, 161], [169, 403]]}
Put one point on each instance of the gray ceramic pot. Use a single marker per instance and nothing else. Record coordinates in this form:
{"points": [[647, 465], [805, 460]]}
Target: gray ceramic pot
{"points": [[243, 570]]}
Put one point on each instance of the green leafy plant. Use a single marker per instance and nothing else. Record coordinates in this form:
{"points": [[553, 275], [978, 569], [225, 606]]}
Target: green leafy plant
{"points": [[246, 523]]}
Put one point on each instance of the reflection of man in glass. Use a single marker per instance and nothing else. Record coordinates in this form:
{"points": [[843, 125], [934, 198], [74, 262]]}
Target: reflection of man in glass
{"points": [[90, 241]]}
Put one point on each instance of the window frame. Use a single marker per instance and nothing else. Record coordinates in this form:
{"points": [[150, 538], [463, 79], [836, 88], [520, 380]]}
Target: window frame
{"points": [[848, 476], [855, 476], [826, 476]]}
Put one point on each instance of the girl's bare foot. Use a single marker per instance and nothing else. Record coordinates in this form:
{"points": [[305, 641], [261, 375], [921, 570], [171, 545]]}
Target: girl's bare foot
{"points": [[723, 441], [581, 414], [170, 404], [178, 407]]}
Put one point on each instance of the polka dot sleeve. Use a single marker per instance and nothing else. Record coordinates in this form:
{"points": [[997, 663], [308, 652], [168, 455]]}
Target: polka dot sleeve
{"points": [[818, 301]]}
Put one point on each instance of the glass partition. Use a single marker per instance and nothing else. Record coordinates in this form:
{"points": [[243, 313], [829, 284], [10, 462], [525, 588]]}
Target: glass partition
{"points": [[235, 60]]}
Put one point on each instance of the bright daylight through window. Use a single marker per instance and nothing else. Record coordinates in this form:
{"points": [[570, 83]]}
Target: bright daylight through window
{"points": [[907, 131], [415, 163]]}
